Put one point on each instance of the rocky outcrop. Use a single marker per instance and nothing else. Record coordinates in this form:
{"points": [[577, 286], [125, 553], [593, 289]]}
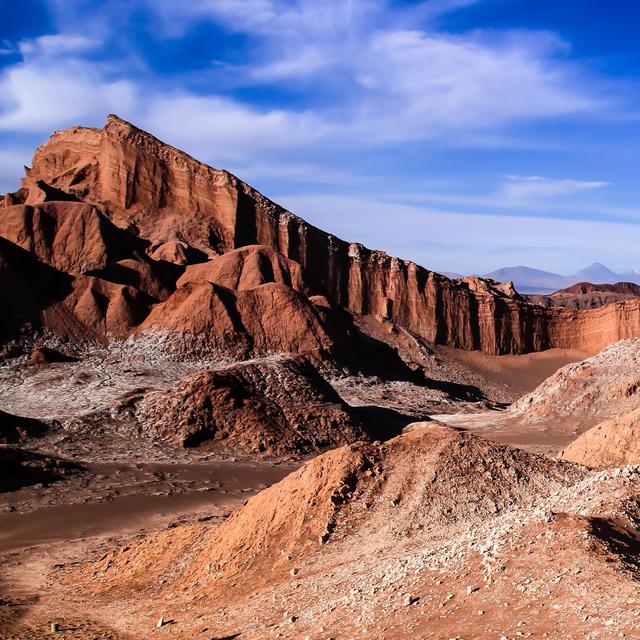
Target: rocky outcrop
{"points": [[281, 406], [612, 443], [187, 212], [585, 295], [601, 387]]}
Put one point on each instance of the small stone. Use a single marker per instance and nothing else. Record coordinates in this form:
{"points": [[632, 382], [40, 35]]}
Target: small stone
{"points": [[294, 572], [160, 622], [480, 612], [55, 627], [409, 600], [291, 619]]}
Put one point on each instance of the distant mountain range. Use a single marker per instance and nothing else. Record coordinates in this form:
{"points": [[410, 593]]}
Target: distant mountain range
{"points": [[528, 280]]}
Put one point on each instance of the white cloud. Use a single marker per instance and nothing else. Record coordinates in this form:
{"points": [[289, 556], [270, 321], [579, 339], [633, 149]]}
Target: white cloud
{"points": [[57, 44], [213, 127], [40, 97], [428, 85], [380, 83], [393, 82], [517, 190], [529, 193]]}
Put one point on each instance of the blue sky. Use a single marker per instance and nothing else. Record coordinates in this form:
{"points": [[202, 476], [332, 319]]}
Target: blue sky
{"points": [[464, 134]]}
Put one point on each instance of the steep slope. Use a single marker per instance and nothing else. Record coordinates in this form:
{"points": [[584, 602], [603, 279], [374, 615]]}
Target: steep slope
{"points": [[278, 406], [612, 443]]}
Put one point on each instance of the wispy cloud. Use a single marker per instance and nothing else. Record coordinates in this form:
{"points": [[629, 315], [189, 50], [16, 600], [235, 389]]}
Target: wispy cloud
{"points": [[519, 190], [57, 44], [388, 83]]}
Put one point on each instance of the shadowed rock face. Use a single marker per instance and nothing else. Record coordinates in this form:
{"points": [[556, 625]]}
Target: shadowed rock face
{"points": [[183, 211], [16, 428]]}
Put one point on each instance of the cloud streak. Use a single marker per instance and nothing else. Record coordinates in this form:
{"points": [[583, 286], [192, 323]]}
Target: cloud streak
{"points": [[388, 84]]}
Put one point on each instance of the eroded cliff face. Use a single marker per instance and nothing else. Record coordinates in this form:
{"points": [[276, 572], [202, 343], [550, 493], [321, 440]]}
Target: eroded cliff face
{"points": [[190, 212]]}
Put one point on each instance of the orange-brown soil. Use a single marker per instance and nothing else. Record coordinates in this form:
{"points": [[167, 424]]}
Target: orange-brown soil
{"points": [[612, 443], [433, 534]]}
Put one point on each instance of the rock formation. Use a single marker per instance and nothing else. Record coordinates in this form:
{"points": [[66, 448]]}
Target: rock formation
{"points": [[586, 295], [601, 387], [281, 406], [612, 443], [89, 186]]}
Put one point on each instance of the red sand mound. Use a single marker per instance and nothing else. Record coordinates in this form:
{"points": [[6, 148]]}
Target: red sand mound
{"points": [[433, 533], [418, 484], [278, 406], [271, 318], [246, 268]]}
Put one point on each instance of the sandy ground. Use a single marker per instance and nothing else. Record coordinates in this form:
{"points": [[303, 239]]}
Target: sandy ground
{"points": [[46, 527], [125, 488], [518, 374]]}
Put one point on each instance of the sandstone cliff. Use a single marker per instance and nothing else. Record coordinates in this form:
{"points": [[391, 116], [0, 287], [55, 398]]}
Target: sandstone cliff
{"points": [[181, 212]]}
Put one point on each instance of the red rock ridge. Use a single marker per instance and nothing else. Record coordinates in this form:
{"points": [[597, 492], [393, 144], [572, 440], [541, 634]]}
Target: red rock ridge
{"points": [[177, 204]]}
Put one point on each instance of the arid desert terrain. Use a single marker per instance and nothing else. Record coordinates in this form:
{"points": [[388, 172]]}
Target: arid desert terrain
{"points": [[218, 421]]}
